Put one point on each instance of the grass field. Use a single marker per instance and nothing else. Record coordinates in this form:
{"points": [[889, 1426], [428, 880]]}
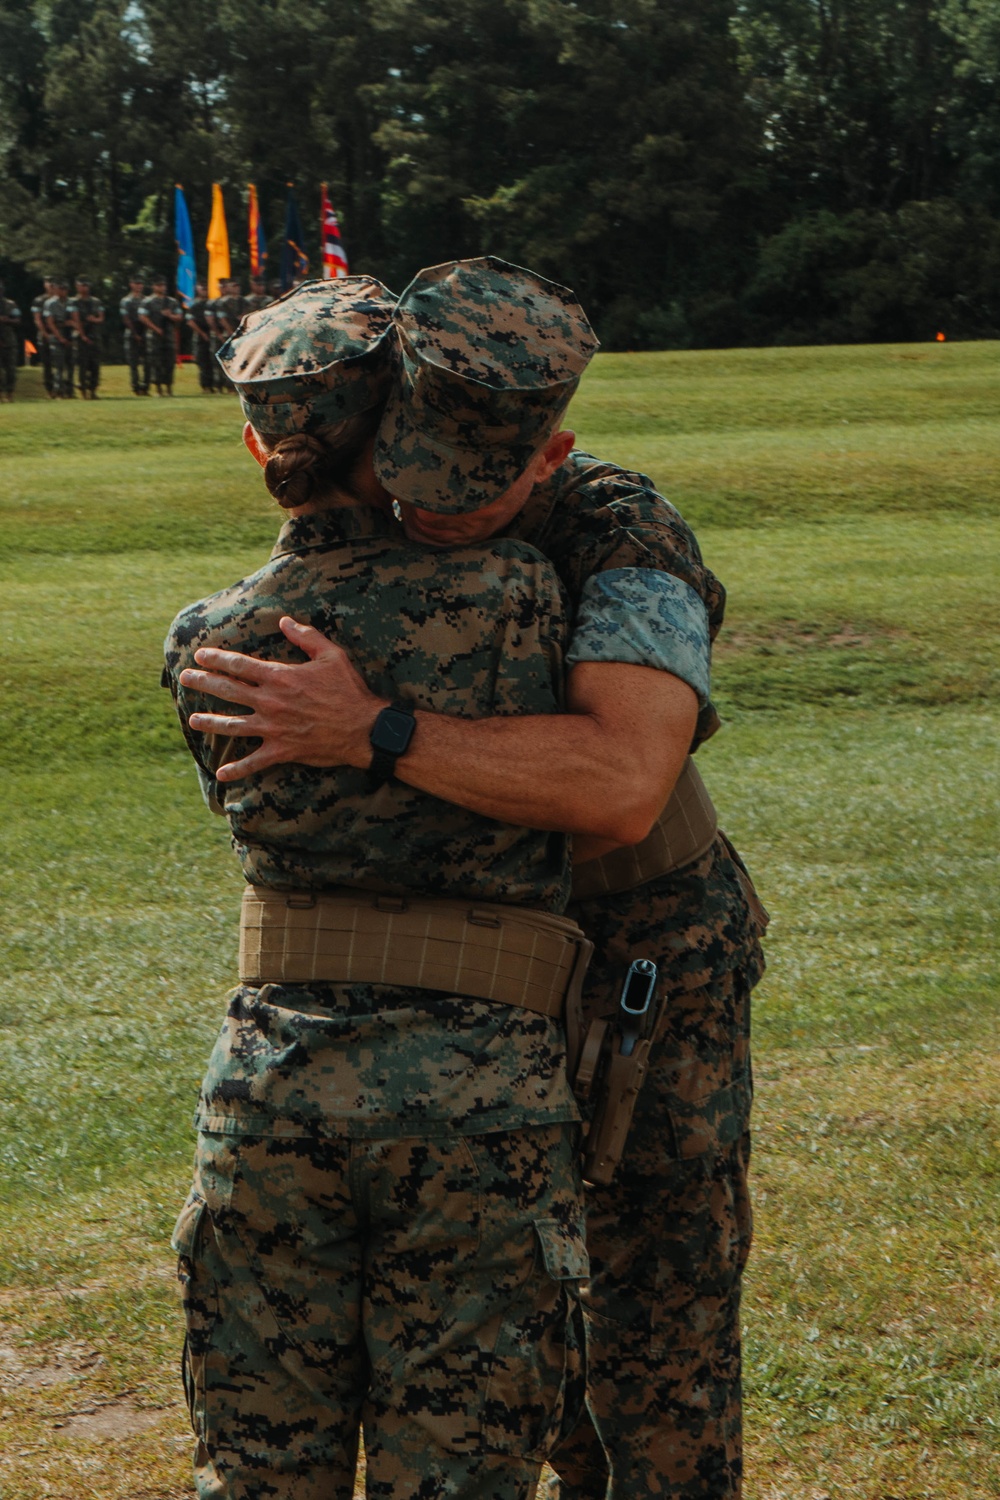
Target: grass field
{"points": [[848, 499]]}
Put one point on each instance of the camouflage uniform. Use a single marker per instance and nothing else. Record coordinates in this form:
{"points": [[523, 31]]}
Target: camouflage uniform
{"points": [[255, 302], [386, 1224], [56, 314], [42, 338], [229, 311], [201, 343], [217, 337], [161, 343], [87, 348], [10, 339], [134, 337], [669, 1237]]}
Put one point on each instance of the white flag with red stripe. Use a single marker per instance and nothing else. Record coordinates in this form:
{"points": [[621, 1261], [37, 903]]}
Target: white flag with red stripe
{"points": [[334, 254]]}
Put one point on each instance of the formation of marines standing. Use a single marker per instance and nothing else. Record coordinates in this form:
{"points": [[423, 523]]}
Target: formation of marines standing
{"points": [[68, 338], [213, 320]]}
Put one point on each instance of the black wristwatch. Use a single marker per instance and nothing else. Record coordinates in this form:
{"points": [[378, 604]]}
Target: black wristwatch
{"points": [[390, 738]]}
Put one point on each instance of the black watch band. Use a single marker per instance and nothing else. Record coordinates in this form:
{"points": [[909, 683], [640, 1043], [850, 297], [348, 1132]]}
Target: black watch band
{"points": [[389, 738]]}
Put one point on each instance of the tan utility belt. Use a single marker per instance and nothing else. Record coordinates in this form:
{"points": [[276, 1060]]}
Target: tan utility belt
{"points": [[683, 832], [510, 954]]}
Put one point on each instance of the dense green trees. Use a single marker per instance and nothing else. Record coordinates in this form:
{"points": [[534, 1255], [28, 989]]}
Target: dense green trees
{"points": [[702, 171]]}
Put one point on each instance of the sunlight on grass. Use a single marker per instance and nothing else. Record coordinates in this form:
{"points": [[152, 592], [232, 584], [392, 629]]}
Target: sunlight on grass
{"points": [[845, 497]]}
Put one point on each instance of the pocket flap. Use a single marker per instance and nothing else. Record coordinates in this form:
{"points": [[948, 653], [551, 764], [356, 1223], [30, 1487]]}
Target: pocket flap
{"points": [[185, 1234], [564, 1249]]}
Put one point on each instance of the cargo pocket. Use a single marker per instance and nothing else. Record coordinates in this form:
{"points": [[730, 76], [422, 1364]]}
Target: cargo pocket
{"points": [[200, 1299], [699, 1265], [537, 1385]]}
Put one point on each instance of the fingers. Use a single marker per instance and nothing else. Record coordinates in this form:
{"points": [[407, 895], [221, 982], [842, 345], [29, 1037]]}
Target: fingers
{"points": [[235, 770], [236, 726], [313, 642], [235, 664], [219, 687]]}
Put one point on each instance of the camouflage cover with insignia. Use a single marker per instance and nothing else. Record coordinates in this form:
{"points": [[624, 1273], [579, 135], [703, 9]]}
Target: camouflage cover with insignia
{"points": [[489, 356], [320, 355]]}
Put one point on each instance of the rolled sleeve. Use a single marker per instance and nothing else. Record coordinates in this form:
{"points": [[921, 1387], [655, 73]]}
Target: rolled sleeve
{"points": [[646, 618]]}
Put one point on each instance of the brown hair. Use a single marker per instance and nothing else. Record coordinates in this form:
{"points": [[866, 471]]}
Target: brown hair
{"points": [[305, 466]]}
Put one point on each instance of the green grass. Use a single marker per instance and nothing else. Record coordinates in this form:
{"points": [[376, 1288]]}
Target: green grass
{"points": [[845, 496]]}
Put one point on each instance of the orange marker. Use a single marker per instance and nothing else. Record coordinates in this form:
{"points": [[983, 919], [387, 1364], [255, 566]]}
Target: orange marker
{"points": [[940, 338]]}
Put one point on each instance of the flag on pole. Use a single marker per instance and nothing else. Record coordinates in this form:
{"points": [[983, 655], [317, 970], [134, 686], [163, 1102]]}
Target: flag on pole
{"points": [[217, 243], [185, 247], [255, 235], [334, 254], [294, 260]]}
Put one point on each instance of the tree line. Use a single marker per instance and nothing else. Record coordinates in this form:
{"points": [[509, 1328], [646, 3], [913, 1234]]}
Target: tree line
{"points": [[702, 172]]}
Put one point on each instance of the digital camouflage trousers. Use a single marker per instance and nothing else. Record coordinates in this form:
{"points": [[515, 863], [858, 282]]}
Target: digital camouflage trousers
{"points": [[208, 370], [135, 358], [426, 1290], [8, 369], [88, 365], [668, 1243], [61, 356], [161, 354], [669, 1237]]}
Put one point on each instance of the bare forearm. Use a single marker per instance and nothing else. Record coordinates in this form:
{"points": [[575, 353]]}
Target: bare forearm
{"points": [[550, 772], [603, 769]]}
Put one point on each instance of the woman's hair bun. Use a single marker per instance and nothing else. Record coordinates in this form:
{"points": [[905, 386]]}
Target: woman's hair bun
{"points": [[297, 469]]}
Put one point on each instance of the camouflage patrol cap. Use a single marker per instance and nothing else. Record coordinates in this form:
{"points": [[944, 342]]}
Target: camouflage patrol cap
{"points": [[489, 357], [314, 358]]}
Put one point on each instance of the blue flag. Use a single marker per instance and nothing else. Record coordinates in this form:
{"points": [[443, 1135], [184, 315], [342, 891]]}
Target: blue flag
{"points": [[185, 247], [294, 260]]}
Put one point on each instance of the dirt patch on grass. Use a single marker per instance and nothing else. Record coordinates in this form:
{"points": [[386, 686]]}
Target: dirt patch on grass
{"points": [[110, 1419], [63, 1364], [790, 634]]}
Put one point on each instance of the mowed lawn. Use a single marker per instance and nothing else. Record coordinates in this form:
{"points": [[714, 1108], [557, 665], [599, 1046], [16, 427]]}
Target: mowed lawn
{"points": [[847, 497]]}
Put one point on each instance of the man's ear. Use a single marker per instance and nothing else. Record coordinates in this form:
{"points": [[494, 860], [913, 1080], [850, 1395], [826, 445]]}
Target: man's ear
{"points": [[556, 451], [253, 443]]}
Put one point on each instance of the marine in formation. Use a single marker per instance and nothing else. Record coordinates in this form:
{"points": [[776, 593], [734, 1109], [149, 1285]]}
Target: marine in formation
{"points": [[58, 325], [87, 318], [41, 333], [161, 316], [10, 338], [134, 335]]}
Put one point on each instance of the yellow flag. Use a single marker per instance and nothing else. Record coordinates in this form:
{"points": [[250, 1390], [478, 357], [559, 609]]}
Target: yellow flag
{"points": [[217, 243]]}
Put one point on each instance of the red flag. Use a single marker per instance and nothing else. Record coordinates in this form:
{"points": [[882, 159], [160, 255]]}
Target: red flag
{"points": [[334, 254], [255, 233]]}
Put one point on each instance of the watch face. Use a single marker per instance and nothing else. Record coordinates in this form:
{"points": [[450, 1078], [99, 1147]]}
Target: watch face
{"points": [[392, 731]]}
